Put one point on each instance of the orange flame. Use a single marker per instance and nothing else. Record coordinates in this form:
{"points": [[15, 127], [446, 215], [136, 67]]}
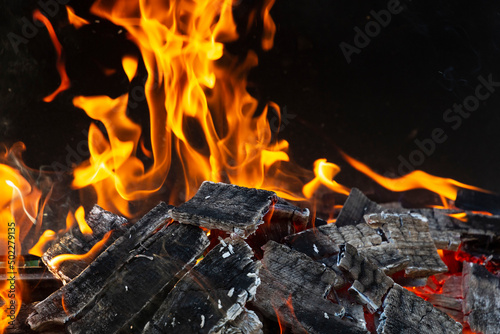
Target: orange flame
{"points": [[74, 19], [414, 180], [80, 219], [462, 216], [40, 247], [324, 173], [87, 257], [37, 15]]}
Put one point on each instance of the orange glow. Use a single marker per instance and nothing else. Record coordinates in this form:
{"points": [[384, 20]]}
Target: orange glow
{"points": [[40, 246], [414, 180], [80, 219], [87, 257], [65, 84], [462, 216], [324, 173], [75, 20]]}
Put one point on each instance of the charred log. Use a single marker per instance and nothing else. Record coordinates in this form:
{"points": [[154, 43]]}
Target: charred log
{"points": [[226, 207], [469, 199], [404, 312], [246, 323], [75, 242], [355, 207]]}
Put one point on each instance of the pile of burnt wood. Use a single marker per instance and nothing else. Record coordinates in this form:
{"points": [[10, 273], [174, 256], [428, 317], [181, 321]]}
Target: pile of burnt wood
{"points": [[239, 260]]}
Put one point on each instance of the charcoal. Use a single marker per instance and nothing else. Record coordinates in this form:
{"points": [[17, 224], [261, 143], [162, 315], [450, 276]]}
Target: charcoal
{"points": [[211, 294], [226, 207], [410, 234], [481, 305], [369, 283], [82, 289], [125, 301], [468, 199], [355, 207], [386, 257], [294, 289], [404, 312], [246, 323], [75, 242]]}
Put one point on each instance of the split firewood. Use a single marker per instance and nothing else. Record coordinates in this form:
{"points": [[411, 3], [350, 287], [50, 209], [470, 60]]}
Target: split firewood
{"points": [[246, 323], [226, 207], [323, 242], [211, 294], [355, 207], [481, 304], [131, 295], [75, 242], [68, 301], [404, 312], [410, 234], [294, 289], [369, 283]]}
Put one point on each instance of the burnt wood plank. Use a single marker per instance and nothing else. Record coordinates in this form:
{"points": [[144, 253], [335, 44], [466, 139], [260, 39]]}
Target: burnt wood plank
{"points": [[82, 289], [481, 305], [410, 234], [469, 199], [75, 242], [294, 288], [355, 207], [246, 323], [128, 296], [369, 283], [386, 257], [404, 312], [211, 294], [226, 207]]}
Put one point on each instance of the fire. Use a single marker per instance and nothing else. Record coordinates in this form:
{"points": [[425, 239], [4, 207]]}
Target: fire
{"points": [[324, 173], [414, 180], [74, 19], [80, 219], [40, 247], [37, 15]]}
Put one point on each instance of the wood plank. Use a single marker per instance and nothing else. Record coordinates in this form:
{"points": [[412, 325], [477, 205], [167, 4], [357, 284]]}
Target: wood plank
{"points": [[481, 305], [404, 312], [211, 294], [294, 288], [355, 207], [129, 297], [410, 234], [75, 242], [226, 207], [80, 291]]}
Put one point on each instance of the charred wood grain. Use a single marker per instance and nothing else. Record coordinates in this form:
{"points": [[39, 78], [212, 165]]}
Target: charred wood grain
{"points": [[481, 305], [404, 312], [246, 323], [294, 288], [386, 257], [80, 291], [75, 242], [129, 297], [410, 234], [226, 207], [355, 207], [369, 283], [211, 294]]}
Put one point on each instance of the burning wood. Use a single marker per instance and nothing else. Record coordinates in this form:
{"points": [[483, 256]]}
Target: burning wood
{"points": [[212, 294], [226, 207], [404, 312], [410, 234], [75, 242], [481, 303]]}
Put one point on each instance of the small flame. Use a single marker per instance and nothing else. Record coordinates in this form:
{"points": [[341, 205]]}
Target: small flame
{"points": [[414, 180], [41, 245], [60, 65], [462, 216], [74, 19], [87, 257], [324, 173], [80, 219]]}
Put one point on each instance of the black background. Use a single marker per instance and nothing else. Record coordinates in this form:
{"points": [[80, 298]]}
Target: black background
{"points": [[395, 91]]}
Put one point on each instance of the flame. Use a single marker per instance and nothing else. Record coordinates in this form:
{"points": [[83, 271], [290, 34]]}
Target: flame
{"points": [[414, 180], [40, 247], [80, 219], [87, 257], [324, 173], [74, 19], [462, 216], [37, 15]]}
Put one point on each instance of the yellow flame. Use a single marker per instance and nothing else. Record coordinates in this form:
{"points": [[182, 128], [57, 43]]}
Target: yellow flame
{"points": [[80, 219], [41, 246], [414, 180], [324, 173]]}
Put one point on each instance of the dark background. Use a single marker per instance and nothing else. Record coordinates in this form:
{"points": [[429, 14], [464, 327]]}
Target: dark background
{"points": [[395, 91]]}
